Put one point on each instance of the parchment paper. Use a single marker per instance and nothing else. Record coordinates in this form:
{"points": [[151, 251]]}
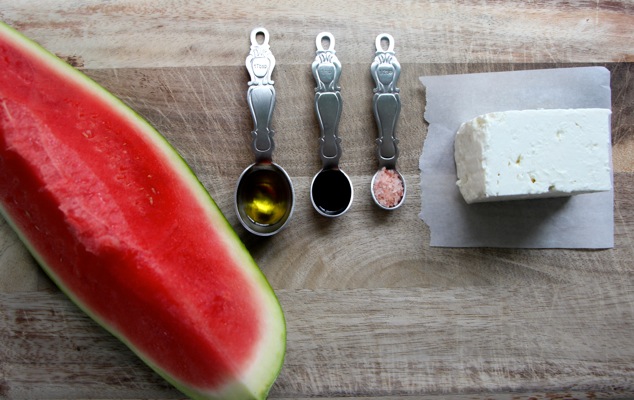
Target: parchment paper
{"points": [[581, 221]]}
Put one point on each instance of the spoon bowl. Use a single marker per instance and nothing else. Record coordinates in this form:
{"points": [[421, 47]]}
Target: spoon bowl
{"points": [[388, 189], [264, 198], [331, 192]]}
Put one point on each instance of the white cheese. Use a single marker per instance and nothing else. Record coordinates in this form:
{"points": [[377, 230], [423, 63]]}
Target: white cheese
{"points": [[533, 153]]}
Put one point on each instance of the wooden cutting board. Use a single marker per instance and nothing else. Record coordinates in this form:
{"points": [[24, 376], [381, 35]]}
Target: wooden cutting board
{"points": [[372, 310]]}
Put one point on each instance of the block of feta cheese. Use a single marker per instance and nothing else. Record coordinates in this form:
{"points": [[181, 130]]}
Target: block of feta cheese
{"points": [[533, 153]]}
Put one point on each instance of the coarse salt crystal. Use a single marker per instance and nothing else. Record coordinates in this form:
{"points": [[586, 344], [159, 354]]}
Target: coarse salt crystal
{"points": [[388, 188]]}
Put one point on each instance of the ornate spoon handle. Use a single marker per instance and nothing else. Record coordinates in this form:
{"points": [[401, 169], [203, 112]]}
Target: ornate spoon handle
{"points": [[386, 101], [261, 95], [328, 102]]}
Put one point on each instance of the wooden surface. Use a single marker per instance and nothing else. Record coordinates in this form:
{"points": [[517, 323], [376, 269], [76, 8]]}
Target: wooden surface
{"points": [[372, 310]]}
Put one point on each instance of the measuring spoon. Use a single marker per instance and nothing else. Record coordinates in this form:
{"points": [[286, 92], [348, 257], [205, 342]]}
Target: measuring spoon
{"points": [[264, 197], [331, 189], [388, 185]]}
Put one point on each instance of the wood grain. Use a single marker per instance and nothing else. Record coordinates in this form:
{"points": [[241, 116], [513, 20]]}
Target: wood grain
{"points": [[372, 310], [150, 33], [421, 341]]}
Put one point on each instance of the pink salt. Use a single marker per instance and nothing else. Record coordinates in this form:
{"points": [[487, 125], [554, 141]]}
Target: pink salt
{"points": [[388, 188]]}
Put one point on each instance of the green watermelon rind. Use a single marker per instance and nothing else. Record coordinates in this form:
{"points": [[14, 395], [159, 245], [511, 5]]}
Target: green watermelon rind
{"points": [[234, 390]]}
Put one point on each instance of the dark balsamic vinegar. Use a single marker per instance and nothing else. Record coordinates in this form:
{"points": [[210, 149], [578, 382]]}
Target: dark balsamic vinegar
{"points": [[331, 192]]}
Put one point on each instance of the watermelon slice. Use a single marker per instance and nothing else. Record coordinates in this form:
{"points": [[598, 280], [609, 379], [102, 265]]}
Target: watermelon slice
{"points": [[121, 224]]}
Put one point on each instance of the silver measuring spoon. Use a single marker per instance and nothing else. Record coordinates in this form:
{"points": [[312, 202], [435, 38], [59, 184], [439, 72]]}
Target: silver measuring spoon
{"points": [[264, 197], [331, 189], [388, 185]]}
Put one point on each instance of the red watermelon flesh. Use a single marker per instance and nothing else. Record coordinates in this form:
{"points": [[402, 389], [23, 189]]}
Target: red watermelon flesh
{"points": [[122, 225]]}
